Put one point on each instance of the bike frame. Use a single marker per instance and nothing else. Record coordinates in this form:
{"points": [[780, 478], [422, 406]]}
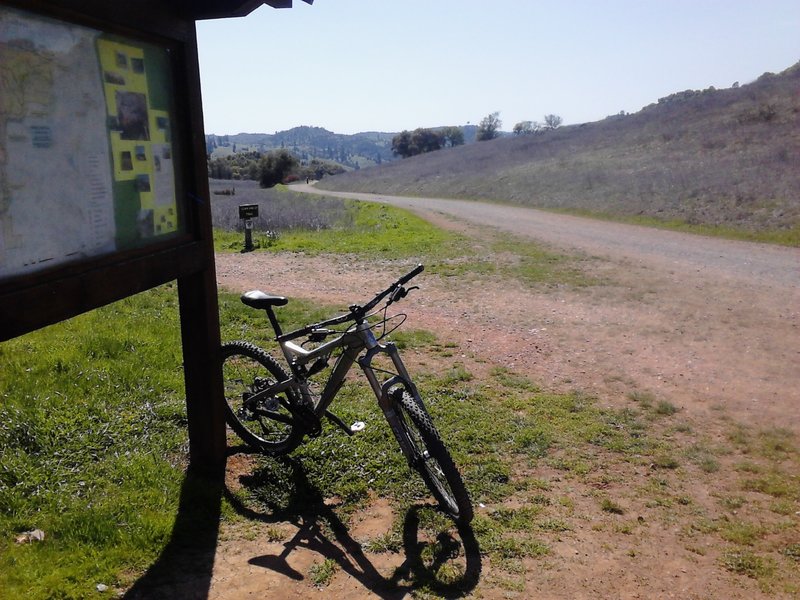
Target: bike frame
{"points": [[353, 342]]}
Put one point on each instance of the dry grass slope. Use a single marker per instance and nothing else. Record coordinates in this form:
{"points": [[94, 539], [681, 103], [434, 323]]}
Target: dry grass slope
{"points": [[727, 158]]}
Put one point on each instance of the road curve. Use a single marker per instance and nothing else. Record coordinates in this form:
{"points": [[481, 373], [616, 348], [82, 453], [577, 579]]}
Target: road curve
{"points": [[730, 259]]}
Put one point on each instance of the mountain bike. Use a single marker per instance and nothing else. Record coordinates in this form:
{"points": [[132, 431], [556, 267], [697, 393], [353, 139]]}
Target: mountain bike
{"points": [[272, 408]]}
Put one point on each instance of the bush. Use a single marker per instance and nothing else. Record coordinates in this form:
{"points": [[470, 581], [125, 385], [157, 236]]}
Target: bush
{"points": [[275, 167]]}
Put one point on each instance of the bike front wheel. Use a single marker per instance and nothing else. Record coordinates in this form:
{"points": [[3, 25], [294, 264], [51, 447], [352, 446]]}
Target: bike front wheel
{"points": [[428, 456], [266, 423]]}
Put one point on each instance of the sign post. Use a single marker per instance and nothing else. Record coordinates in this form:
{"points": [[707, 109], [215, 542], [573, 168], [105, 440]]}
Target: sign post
{"points": [[248, 212]]}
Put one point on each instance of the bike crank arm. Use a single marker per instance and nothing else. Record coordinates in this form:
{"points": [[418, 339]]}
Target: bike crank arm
{"points": [[336, 420]]}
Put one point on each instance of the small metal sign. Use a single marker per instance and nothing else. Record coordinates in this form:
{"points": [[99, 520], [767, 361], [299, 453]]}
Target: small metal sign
{"points": [[248, 211]]}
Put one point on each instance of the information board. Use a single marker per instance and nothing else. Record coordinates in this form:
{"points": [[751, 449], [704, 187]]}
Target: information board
{"points": [[86, 150]]}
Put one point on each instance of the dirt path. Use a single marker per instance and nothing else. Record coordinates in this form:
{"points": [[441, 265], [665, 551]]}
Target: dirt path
{"points": [[708, 325], [667, 250]]}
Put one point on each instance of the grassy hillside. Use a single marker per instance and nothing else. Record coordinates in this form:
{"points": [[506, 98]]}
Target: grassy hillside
{"points": [[722, 158]]}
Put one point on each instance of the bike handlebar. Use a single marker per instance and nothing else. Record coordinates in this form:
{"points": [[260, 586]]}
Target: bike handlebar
{"points": [[356, 312], [397, 284]]}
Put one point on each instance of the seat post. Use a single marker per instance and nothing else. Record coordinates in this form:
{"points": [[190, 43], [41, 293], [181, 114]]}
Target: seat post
{"points": [[274, 321]]}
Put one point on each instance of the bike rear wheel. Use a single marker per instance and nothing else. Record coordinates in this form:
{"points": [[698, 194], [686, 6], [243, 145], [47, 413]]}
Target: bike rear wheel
{"points": [[266, 424], [428, 456]]}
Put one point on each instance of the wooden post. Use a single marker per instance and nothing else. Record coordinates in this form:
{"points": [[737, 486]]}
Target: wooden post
{"points": [[202, 363], [199, 308]]}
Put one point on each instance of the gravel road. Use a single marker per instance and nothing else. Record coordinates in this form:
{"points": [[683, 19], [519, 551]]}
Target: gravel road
{"points": [[757, 263]]}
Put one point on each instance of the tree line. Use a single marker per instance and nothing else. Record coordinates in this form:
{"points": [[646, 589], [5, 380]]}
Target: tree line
{"points": [[528, 127], [281, 166], [270, 168], [490, 125], [423, 140]]}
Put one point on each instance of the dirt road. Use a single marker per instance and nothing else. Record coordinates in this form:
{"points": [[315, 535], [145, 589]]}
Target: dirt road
{"points": [[751, 263], [704, 322]]}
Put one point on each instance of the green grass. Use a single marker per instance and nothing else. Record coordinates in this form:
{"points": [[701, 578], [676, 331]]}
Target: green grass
{"points": [[377, 231], [742, 533], [612, 507], [372, 231], [321, 574], [666, 408], [746, 562], [534, 265], [92, 425], [93, 428]]}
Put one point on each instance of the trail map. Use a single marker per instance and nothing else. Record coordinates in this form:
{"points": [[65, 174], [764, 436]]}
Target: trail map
{"points": [[86, 164]]}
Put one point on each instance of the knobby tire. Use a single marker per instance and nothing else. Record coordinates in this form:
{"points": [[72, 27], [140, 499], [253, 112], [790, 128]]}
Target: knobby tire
{"points": [[431, 459], [267, 426]]}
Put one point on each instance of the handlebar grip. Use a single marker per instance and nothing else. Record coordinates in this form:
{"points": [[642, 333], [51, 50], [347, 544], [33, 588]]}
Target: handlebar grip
{"points": [[409, 276]]}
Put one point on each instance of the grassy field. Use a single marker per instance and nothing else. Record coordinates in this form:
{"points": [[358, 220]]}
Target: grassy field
{"points": [[93, 431], [294, 222]]}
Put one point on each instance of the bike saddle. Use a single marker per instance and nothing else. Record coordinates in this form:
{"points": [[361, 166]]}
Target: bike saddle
{"points": [[258, 299]]}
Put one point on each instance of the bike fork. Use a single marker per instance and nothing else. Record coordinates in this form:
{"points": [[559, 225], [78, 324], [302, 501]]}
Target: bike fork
{"points": [[383, 390]]}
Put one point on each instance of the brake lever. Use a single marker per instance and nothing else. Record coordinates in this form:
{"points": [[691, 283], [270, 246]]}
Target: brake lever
{"points": [[401, 293]]}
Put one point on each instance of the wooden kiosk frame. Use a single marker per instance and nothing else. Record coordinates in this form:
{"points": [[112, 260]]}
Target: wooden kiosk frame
{"points": [[33, 298]]}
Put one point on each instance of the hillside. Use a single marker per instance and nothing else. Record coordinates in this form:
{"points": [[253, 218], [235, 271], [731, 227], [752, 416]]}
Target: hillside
{"points": [[307, 143], [714, 157]]}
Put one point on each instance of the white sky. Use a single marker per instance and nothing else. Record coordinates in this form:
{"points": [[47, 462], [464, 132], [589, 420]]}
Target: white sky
{"points": [[389, 65]]}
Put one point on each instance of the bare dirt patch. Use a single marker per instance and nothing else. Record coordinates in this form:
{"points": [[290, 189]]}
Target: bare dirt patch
{"points": [[722, 350]]}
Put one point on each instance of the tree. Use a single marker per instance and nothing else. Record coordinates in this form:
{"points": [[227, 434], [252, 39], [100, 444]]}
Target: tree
{"points": [[219, 168], [453, 136], [489, 127], [275, 167], [426, 140], [422, 140], [401, 144], [317, 169], [552, 121], [526, 127]]}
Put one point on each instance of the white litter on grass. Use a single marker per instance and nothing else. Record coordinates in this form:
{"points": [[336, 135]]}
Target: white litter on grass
{"points": [[35, 535], [358, 426]]}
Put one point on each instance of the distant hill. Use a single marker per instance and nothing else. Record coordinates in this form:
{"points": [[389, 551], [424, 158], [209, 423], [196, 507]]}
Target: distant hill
{"points": [[306, 143], [355, 151], [728, 157]]}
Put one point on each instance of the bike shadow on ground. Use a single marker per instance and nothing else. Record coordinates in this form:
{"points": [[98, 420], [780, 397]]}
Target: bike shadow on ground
{"points": [[283, 493]]}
